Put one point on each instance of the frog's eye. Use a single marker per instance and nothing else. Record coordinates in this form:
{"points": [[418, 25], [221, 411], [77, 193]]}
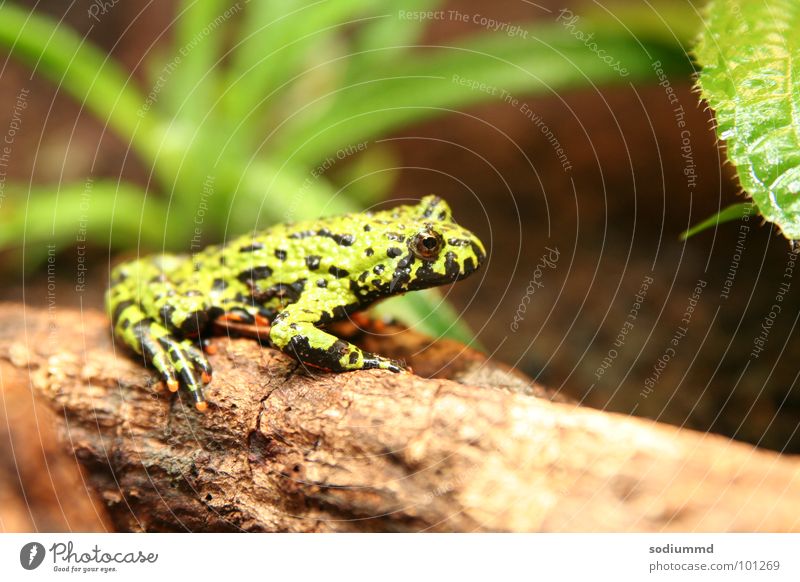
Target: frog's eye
{"points": [[427, 244]]}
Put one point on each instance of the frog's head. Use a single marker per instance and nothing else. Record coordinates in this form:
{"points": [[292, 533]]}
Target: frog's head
{"points": [[431, 249]]}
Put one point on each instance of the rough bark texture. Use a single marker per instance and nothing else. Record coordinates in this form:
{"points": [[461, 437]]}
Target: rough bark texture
{"points": [[473, 447], [41, 486]]}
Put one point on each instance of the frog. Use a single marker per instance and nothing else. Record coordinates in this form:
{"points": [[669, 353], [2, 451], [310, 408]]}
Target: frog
{"points": [[288, 283]]}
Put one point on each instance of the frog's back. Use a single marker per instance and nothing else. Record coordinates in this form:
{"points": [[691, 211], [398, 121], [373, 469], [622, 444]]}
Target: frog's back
{"points": [[316, 250]]}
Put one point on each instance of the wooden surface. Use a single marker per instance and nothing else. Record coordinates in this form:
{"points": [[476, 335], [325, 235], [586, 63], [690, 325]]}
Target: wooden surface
{"points": [[41, 485], [473, 448]]}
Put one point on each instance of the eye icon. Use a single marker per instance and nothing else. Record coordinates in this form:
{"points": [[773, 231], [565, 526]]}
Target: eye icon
{"points": [[31, 555]]}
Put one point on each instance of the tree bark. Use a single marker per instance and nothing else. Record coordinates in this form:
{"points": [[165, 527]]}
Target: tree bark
{"points": [[41, 485], [472, 447]]}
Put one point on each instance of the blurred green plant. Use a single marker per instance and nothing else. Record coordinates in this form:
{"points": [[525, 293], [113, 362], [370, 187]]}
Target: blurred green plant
{"points": [[750, 56], [245, 104]]}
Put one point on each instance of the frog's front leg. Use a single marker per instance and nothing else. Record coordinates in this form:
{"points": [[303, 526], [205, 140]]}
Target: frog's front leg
{"points": [[150, 314], [174, 359], [294, 331]]}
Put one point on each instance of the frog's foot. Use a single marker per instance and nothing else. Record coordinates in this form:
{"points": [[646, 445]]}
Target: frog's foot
{"points": [[199, 360], [155, 355], [207, 346], [191, 366], [178, 362], [373, 361]]}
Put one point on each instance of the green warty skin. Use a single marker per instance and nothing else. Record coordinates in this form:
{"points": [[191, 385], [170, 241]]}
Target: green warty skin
{"points": [[297, 277]]}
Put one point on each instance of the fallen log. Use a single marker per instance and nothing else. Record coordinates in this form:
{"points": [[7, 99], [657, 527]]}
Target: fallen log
{"points": [[41, 486], [473, 447]]}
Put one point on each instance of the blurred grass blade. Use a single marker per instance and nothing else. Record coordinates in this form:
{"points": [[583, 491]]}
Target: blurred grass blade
{"points": [[668, 21], [100, 213], [391, 29], [197, 48], [92, 77], [732, 212], [750, 58], [421, 85], [269, 194], [370, 176], [280, 39], [264, 23], [428, 312]]}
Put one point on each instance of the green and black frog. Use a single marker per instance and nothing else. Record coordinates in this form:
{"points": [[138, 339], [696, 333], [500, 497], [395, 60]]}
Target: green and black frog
{"points": [[287, 281]]}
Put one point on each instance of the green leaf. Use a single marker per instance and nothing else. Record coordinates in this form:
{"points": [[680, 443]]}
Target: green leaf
{"points": [[732, 212], [671, 21], [436, 79], [267, 194], [428, 312], [370, 176], [92, 77], [389, 30], [98, 213], [278, 40], [199, 33], [750, 56]]}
